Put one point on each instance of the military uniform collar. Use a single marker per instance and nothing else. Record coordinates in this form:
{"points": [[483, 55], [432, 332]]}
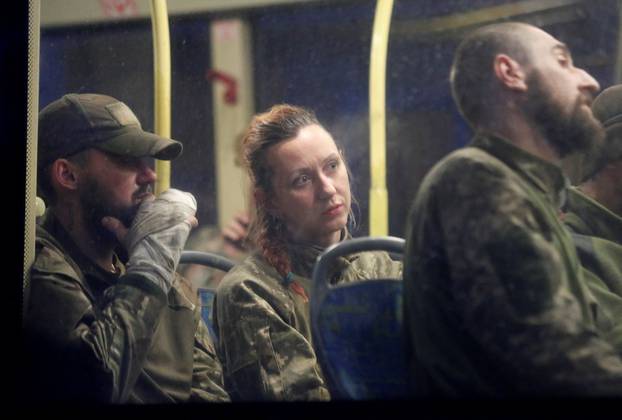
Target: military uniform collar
{"points": [[304, 255], [544, 175], [601, 221], [52, 225]]}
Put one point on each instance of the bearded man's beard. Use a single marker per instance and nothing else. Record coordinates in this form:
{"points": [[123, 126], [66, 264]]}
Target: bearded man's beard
{"points": [[577, 131], [97, 204]]}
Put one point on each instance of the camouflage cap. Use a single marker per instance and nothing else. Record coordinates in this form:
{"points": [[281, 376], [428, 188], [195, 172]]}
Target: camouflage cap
{"points": [[607, 108], [77, 122]]}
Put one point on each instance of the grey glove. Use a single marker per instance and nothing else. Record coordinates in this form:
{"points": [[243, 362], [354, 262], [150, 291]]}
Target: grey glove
{"points": [[158, 235]]}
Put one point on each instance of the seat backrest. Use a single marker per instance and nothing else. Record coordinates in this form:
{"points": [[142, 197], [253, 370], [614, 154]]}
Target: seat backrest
{"points": [[206, 295], [357, 327], [206, 258]]}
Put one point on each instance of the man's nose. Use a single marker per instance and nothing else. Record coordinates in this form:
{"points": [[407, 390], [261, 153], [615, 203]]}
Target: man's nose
{"points": [[146, 174], [588, 82]]}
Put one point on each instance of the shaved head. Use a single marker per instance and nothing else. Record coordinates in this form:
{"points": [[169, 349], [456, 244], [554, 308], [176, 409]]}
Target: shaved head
{"points": [[471, 72]]}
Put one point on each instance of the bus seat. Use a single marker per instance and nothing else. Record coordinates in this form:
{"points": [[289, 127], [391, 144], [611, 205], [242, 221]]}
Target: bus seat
{"points": [[206, 295], [357, 327]]}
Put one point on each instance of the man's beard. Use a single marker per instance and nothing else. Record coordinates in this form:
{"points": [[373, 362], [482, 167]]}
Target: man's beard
{"points": [[96, 204], [578, 131]]}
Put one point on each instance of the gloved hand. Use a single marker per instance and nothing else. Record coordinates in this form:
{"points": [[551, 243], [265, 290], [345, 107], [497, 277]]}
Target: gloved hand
{"points": [[157, 236]]}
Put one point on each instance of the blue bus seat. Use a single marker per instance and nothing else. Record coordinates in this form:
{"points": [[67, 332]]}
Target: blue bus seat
{"points": [[206, 295], [357, 328]]}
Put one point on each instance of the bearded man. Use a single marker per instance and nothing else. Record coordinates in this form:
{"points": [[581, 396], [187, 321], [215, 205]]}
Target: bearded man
{"points": [[97, 328], [496, 304]]}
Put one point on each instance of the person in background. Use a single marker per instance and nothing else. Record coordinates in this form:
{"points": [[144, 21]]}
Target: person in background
{"points": [[496, 304], [231, 241], [302, 200], [593, 213], [98, 328]]}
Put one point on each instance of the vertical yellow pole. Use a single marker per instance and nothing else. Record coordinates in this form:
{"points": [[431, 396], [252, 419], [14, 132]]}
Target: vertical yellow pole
{"points": [[378, 196], [162, 82], [33, 204]]}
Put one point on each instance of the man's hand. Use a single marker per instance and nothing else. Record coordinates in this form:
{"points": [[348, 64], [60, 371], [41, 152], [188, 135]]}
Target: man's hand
{"points": [[157, 236], [117, 227]]}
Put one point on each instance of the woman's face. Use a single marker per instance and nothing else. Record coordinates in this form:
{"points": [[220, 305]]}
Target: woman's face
{"points": [[311, 189]]}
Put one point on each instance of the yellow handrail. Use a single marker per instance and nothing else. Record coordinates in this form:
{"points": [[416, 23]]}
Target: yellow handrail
{"points": [[378, 196], [33, 205], [162, 82]]}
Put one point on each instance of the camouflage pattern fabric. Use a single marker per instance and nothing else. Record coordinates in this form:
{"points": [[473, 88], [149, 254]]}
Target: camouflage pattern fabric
{"points": [[264, 326], [97, 336], [597, 234], [495, 301]]}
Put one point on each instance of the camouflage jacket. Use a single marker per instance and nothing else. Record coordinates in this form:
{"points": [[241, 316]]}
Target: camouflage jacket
{"points": [[495, 301], [97, 336], [264, 324], [597, 234]]}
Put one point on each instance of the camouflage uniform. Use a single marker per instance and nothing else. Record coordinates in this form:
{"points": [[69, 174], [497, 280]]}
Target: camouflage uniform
{"points": [[264, 326], [100, 336], [597, 234], [495, 301]]}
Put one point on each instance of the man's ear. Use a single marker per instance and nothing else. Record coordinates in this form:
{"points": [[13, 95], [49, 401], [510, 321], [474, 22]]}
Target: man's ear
{"points": [[64, 174], [510, 73]]}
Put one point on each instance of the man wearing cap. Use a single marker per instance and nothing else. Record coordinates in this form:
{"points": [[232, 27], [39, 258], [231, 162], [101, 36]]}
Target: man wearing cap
{"points": [[107, 318], [496, 304], [593, 213]]}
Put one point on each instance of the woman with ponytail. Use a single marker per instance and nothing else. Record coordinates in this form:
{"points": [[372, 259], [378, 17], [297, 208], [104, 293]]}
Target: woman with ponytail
{"points": [[302, 197]]}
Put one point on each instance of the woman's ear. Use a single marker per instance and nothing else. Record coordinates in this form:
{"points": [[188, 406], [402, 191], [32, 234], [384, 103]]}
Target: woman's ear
{"points": [[510, 73], [64, 174]]}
